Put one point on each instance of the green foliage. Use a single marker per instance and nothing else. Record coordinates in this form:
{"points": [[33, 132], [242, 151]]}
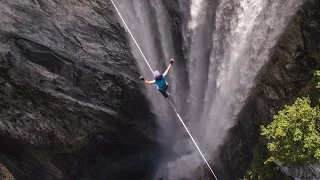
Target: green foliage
{"points": [[261, 171], [313, 90], [318, 75], [315, 56], [294, 137], [294, 134]]}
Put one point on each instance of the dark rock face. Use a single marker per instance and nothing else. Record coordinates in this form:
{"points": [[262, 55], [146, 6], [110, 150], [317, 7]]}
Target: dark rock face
{"points": [[289, 70], [70, 105]]}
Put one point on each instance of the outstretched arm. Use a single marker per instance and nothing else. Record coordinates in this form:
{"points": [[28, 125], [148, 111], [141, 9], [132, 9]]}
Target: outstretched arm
{"points": [[169, 67], [145, 81], [148, 82]]}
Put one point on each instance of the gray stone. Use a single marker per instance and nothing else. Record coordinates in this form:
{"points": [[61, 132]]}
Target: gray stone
{"points": [[279, 82], [69, 95]]}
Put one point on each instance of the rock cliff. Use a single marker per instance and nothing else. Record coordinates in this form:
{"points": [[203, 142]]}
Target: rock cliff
{"points": [[71, 107], [70, 104], [291, 67]]}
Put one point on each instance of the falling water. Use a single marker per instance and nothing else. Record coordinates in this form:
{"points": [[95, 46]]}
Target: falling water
{"points": [[225, 43]]}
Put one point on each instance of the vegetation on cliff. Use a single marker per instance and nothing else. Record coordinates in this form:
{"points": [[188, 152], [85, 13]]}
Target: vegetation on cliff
{"points": [[261, 171], [294, 134], [293, 138]]}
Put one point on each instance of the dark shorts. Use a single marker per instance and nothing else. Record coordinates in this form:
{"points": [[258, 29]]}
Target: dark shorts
{"points": [[163, 91]]}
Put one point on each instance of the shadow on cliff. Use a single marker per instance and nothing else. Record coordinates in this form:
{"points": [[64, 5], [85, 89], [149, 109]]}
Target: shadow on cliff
{"points": [[65, 119]]}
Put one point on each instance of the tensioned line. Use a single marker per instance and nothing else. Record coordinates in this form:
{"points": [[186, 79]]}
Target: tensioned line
{"points": [[125, 24]]}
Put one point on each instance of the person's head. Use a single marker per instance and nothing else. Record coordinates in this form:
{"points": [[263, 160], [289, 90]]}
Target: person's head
{"points": [[157, 75]]}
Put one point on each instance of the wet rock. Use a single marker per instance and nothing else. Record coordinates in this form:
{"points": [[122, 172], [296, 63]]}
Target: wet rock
{"points": [[280, 81], [70, 104], [307, 172]]}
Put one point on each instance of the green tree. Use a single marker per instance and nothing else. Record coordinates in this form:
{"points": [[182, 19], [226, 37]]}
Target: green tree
{"points": [[312, 90], [259, 170], [294, 134], [318, 75]]}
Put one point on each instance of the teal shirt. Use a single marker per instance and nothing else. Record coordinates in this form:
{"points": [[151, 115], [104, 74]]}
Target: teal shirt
{"points": [[162, 83]]}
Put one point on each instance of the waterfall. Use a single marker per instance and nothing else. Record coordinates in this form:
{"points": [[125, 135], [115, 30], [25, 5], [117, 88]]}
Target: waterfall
{"points": [[225, 44]]}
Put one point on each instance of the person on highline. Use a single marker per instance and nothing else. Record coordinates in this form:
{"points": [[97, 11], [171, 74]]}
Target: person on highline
{"points": [[160, 80]]}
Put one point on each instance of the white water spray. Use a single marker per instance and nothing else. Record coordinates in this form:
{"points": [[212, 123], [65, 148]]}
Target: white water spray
{"points": [[169, 99], [226, 43]]}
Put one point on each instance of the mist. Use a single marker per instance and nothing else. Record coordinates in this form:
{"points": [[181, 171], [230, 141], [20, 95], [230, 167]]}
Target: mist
{"points": [[225, 44]]}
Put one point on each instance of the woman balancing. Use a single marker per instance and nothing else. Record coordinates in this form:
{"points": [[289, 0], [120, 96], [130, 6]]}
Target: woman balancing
{"points": [[160, 80]]}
